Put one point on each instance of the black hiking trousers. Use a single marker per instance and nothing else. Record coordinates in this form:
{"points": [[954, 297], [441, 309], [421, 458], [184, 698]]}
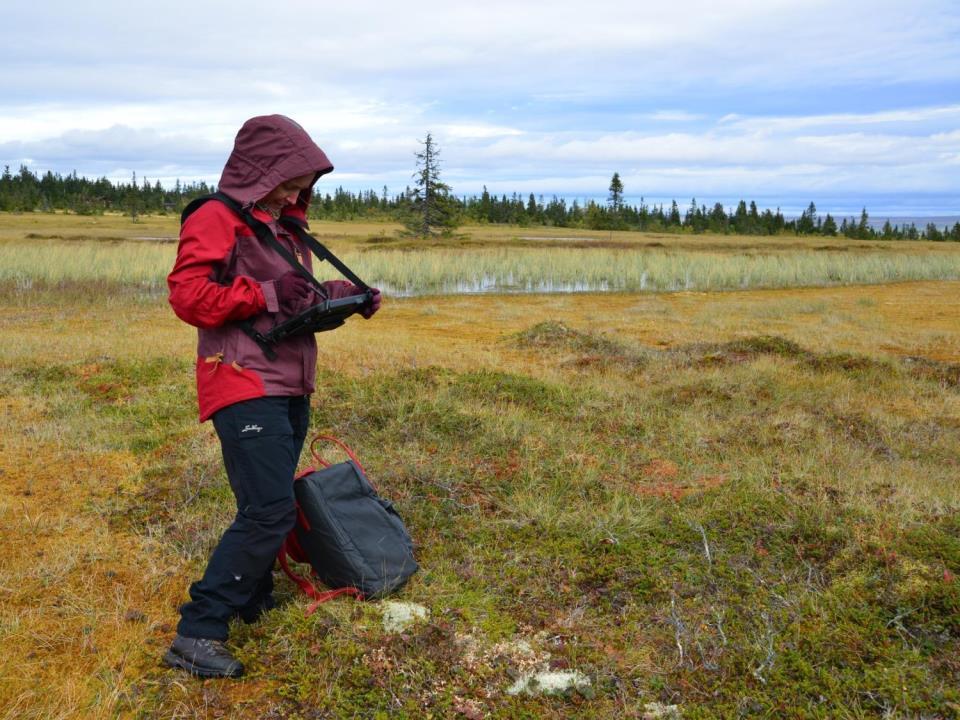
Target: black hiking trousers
{"points": [[261, 440]]}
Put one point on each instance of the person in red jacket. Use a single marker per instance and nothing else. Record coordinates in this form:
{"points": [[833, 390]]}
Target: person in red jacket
{"points": [[260, 407]]}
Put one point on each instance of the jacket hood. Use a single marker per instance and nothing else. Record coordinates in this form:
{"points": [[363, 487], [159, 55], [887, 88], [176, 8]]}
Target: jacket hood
{"points": [[269, 150]]}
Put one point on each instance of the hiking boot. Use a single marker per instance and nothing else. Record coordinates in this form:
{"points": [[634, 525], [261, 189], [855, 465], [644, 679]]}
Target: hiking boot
{"points": [[202, 657]]}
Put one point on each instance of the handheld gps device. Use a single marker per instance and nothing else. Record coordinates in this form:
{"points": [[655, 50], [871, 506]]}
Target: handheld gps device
{"points": [[327, 315]]}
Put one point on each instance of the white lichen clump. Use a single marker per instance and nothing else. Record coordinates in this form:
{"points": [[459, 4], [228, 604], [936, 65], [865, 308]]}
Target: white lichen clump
{"points": [[551, 682], [398, 616]]}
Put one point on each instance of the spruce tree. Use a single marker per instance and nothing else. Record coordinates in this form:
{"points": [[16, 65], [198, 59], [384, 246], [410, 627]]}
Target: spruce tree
{"points": [[674, 219], [133, 201], [807, 224], [432, 209], [688, 219], [615, 198], [829, 227], [863, 227]]}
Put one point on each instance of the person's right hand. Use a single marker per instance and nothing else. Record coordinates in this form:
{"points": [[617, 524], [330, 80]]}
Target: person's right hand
{"points": [[374, 305], [293, 292]]}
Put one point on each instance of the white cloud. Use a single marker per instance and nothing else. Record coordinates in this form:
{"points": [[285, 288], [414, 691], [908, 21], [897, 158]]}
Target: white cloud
{"points": [[373, 153], [536, 96], [458, 131], [904, 116], [608, 46], [673, 116]]}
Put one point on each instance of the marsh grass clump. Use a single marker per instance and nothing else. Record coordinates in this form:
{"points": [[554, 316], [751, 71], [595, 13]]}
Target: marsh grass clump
{"points": [[744, 349], [589, 349], [866, 432], [947, 374], [498, 387], [766, 345], [380, 239], [737, 351], [556, 335]]}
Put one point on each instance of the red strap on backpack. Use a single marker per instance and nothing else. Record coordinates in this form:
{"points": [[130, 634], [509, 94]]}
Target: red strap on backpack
{"points": [[296, 553], [343, 446]]}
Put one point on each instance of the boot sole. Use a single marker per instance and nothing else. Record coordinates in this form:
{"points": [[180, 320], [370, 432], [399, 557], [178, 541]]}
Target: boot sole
{"points": [[176, 661]]}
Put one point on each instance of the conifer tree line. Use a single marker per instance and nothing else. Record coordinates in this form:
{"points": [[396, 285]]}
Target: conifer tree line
{"points": [[25, 191]]}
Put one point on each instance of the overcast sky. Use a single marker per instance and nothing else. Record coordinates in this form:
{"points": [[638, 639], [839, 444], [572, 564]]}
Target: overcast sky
{"points": [[840, 102]]}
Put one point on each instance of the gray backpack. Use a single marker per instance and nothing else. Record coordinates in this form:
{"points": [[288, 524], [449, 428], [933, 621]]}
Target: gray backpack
{"points": [[353, 539]]}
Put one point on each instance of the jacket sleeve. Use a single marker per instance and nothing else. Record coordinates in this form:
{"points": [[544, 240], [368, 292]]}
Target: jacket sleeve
{"points": [[206, 240]]}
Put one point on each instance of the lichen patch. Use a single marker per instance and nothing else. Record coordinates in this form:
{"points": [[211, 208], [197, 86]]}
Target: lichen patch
{"points": [[398, 616], [552, 682]]}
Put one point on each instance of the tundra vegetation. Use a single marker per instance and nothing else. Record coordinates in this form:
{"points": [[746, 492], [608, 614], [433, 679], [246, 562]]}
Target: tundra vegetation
{"points": [[664, 500]]}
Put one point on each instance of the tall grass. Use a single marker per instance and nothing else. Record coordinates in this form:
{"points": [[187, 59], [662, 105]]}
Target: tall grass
{"points": [[51, 262], [578, 269], [448, 270]]}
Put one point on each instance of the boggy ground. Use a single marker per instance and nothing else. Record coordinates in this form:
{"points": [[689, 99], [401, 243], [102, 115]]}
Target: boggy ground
{"points": [[740, 504]]}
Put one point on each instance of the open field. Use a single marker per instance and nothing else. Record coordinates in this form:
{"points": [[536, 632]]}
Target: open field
{"points": [[341, 235], [742, 504], [36, 251]]}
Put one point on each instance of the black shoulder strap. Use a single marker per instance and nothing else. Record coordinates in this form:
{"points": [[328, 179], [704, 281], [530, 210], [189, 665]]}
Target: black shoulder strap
{"points": [[321, 251], [265, 235], [194, 205]]}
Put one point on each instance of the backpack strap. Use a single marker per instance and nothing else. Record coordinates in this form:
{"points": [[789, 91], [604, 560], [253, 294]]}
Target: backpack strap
{"points": [[304, 584], [321, 251], [245, 325], [265, 235], [193, 207], [343, 446]]}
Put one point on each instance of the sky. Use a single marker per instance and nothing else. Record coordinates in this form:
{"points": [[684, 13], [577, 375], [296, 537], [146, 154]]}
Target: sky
{"points": [[847, 103]]}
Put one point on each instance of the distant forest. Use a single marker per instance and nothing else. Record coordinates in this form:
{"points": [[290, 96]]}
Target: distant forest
{"points": [[25, 191]]}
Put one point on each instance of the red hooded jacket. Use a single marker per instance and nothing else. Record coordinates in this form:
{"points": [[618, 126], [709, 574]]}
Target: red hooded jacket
{"points": [[223, 273]]}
